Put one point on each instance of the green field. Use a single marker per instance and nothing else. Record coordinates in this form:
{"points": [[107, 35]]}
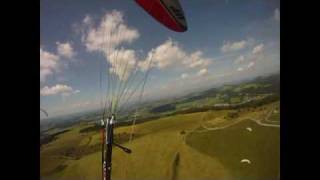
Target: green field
{"points": [[231, 145], [203, 145]]}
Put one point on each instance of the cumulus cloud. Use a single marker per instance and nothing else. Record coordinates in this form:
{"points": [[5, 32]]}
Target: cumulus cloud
{"points": [[84, 104], [170, 54], [48, 64], [62, 89], [252, 55], [65, 50], [51, 63], [255, 54], [258, 49], [240, 59], [166, 54], [246, 67], [123, 63], [184, 75], [233, 46], [111, 32], [240, 69], [87, 20], [251, 64], [196, 59], [276, 15], [203, 72], [147, 63]]}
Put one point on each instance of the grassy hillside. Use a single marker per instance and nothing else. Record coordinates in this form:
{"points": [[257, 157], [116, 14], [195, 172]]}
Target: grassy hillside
{"points": [[231, 145], [203, 145]]}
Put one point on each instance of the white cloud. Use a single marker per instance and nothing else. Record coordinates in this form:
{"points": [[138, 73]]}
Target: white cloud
{"points": [[111, 32], [196, 59], [169, 54], [240, 69], [277, 15], [251, 64], [51, 63], [233, 46], [247, 66], [123, 63], [48, 64], [44, 73], [62, 89], [166, 54], [148, 63], [240, 59], [203, 72], [87, 20], [65, 50], [184, 75], [258, 49], [84, 104]]}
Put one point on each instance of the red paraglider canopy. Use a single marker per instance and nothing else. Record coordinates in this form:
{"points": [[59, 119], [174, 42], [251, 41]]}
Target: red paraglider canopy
{"points": [[167, 12]]}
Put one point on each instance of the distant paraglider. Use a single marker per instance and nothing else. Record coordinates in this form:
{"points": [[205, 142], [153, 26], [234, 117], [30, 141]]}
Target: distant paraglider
{"points": [[245, 161]]}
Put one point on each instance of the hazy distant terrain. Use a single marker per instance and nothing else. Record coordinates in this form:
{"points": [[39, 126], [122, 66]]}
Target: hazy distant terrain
{"points": [[203, 135]]}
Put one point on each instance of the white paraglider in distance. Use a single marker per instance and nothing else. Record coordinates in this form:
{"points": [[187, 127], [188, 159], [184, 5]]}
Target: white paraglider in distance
{"points": [[245, 161]]}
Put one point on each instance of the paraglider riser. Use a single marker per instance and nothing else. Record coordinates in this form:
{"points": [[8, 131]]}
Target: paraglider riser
{"points": [[108, 153]]}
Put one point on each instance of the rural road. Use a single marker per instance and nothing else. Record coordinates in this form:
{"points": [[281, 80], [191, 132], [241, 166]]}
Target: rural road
{"points": [[259, 122], [266, 119]]}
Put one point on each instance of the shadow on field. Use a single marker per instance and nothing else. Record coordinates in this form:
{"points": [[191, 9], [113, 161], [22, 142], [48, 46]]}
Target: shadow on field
{"points": [[46, 139], [175, 166], [59, 168]]}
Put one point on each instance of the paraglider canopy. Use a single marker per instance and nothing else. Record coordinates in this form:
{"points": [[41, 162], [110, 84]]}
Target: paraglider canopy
{"points": [[245, 161], [167, 12]]}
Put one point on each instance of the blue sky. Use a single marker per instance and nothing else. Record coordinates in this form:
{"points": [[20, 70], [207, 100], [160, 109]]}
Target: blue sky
{"points": [[227, 40]]}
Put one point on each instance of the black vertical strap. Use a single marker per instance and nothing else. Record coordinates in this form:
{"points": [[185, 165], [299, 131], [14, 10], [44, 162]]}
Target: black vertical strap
{"points": [[109, 146], [102, 152]]}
